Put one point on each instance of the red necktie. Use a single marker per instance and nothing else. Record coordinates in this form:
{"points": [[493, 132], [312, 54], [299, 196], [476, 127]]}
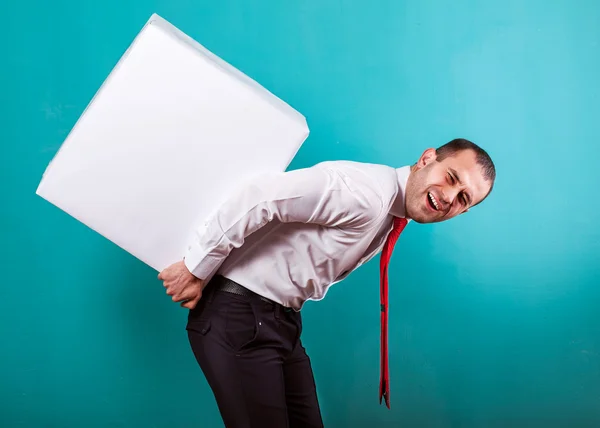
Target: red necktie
{"points": [[386, 254]]}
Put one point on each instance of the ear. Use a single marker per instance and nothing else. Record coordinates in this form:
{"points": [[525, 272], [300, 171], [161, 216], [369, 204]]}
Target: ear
{"points": [[426, 158]]}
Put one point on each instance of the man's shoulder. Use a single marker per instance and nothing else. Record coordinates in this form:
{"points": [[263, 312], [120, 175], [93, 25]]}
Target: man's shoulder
{"points": [[378, 180], [360, 166], [384, 175]]}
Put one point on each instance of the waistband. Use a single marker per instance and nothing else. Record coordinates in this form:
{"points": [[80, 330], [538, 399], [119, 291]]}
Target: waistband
{"points": [[220, 283]]}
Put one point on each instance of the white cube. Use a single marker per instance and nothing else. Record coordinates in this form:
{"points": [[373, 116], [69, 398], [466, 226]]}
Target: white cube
{"points": [[169, 134]]}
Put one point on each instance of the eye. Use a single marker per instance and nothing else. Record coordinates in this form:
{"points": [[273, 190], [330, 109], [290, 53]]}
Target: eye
{"points": [[465, 199], [452, 181]]}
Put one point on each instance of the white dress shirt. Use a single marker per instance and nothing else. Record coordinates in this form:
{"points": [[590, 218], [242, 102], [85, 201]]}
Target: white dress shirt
{"points": [[289, 236]]}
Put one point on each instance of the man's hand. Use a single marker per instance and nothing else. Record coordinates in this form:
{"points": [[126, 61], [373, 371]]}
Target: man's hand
{"points": [[182, 285]]}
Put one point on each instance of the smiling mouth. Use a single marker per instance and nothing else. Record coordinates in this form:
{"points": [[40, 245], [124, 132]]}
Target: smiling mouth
{"points": [[433, 203]]}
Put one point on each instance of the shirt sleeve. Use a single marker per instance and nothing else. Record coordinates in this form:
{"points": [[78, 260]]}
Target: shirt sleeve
{"points": [[323, 195]]}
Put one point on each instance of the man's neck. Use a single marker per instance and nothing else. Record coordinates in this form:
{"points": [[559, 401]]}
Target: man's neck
{"points": [[398, 208]]}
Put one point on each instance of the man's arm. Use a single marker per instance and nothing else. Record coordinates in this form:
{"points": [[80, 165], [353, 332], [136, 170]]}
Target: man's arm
{"points": [[323, 194]]}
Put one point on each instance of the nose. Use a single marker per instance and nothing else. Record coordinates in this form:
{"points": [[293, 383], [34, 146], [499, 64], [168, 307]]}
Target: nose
{"points": [[449, 194]]}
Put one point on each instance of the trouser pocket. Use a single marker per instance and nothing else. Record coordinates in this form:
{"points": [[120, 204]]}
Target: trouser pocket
{"points": [[241, 327]]}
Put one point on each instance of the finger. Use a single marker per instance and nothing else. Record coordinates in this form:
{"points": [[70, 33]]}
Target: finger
{"points": [[181, 297], [191, 304], [188, 295], [166, 273], [178, 297]]}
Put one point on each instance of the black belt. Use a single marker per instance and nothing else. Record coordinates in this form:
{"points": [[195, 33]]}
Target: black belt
{"points": [[220, 283]]}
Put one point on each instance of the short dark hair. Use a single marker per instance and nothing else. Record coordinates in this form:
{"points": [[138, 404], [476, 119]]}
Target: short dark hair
{"points": [[459, 144], [483, 159]]}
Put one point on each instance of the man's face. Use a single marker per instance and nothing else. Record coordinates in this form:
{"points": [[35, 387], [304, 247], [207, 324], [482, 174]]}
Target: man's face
{"points": [[437, 191]]}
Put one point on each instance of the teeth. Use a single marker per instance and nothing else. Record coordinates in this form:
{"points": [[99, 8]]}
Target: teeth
{"points": [[432, 199]]}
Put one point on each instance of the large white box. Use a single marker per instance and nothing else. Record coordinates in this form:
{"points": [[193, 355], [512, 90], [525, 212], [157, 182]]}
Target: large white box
{"points": [[169, 134]]}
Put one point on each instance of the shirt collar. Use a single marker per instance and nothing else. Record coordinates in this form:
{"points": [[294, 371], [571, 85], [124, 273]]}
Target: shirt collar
{"points": [[398, 208]]}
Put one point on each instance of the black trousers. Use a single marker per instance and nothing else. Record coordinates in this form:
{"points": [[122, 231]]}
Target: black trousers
{"points": [[250, 352]]}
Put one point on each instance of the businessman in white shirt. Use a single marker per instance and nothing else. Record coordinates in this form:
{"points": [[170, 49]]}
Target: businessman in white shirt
{"points": [[285, 238]]}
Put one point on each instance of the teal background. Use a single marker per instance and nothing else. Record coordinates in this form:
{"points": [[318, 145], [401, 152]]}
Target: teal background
{"points": [[494, 316]]}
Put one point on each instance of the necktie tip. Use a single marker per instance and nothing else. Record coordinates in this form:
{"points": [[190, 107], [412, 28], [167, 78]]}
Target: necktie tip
{"points": [[387, 402]]}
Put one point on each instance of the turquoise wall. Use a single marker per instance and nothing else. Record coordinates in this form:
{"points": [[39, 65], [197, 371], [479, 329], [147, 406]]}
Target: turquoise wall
{"points": [[494, 315]]}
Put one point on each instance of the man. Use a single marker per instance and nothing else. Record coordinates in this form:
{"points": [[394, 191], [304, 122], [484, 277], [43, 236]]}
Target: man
{"points": [[284, 239]]}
